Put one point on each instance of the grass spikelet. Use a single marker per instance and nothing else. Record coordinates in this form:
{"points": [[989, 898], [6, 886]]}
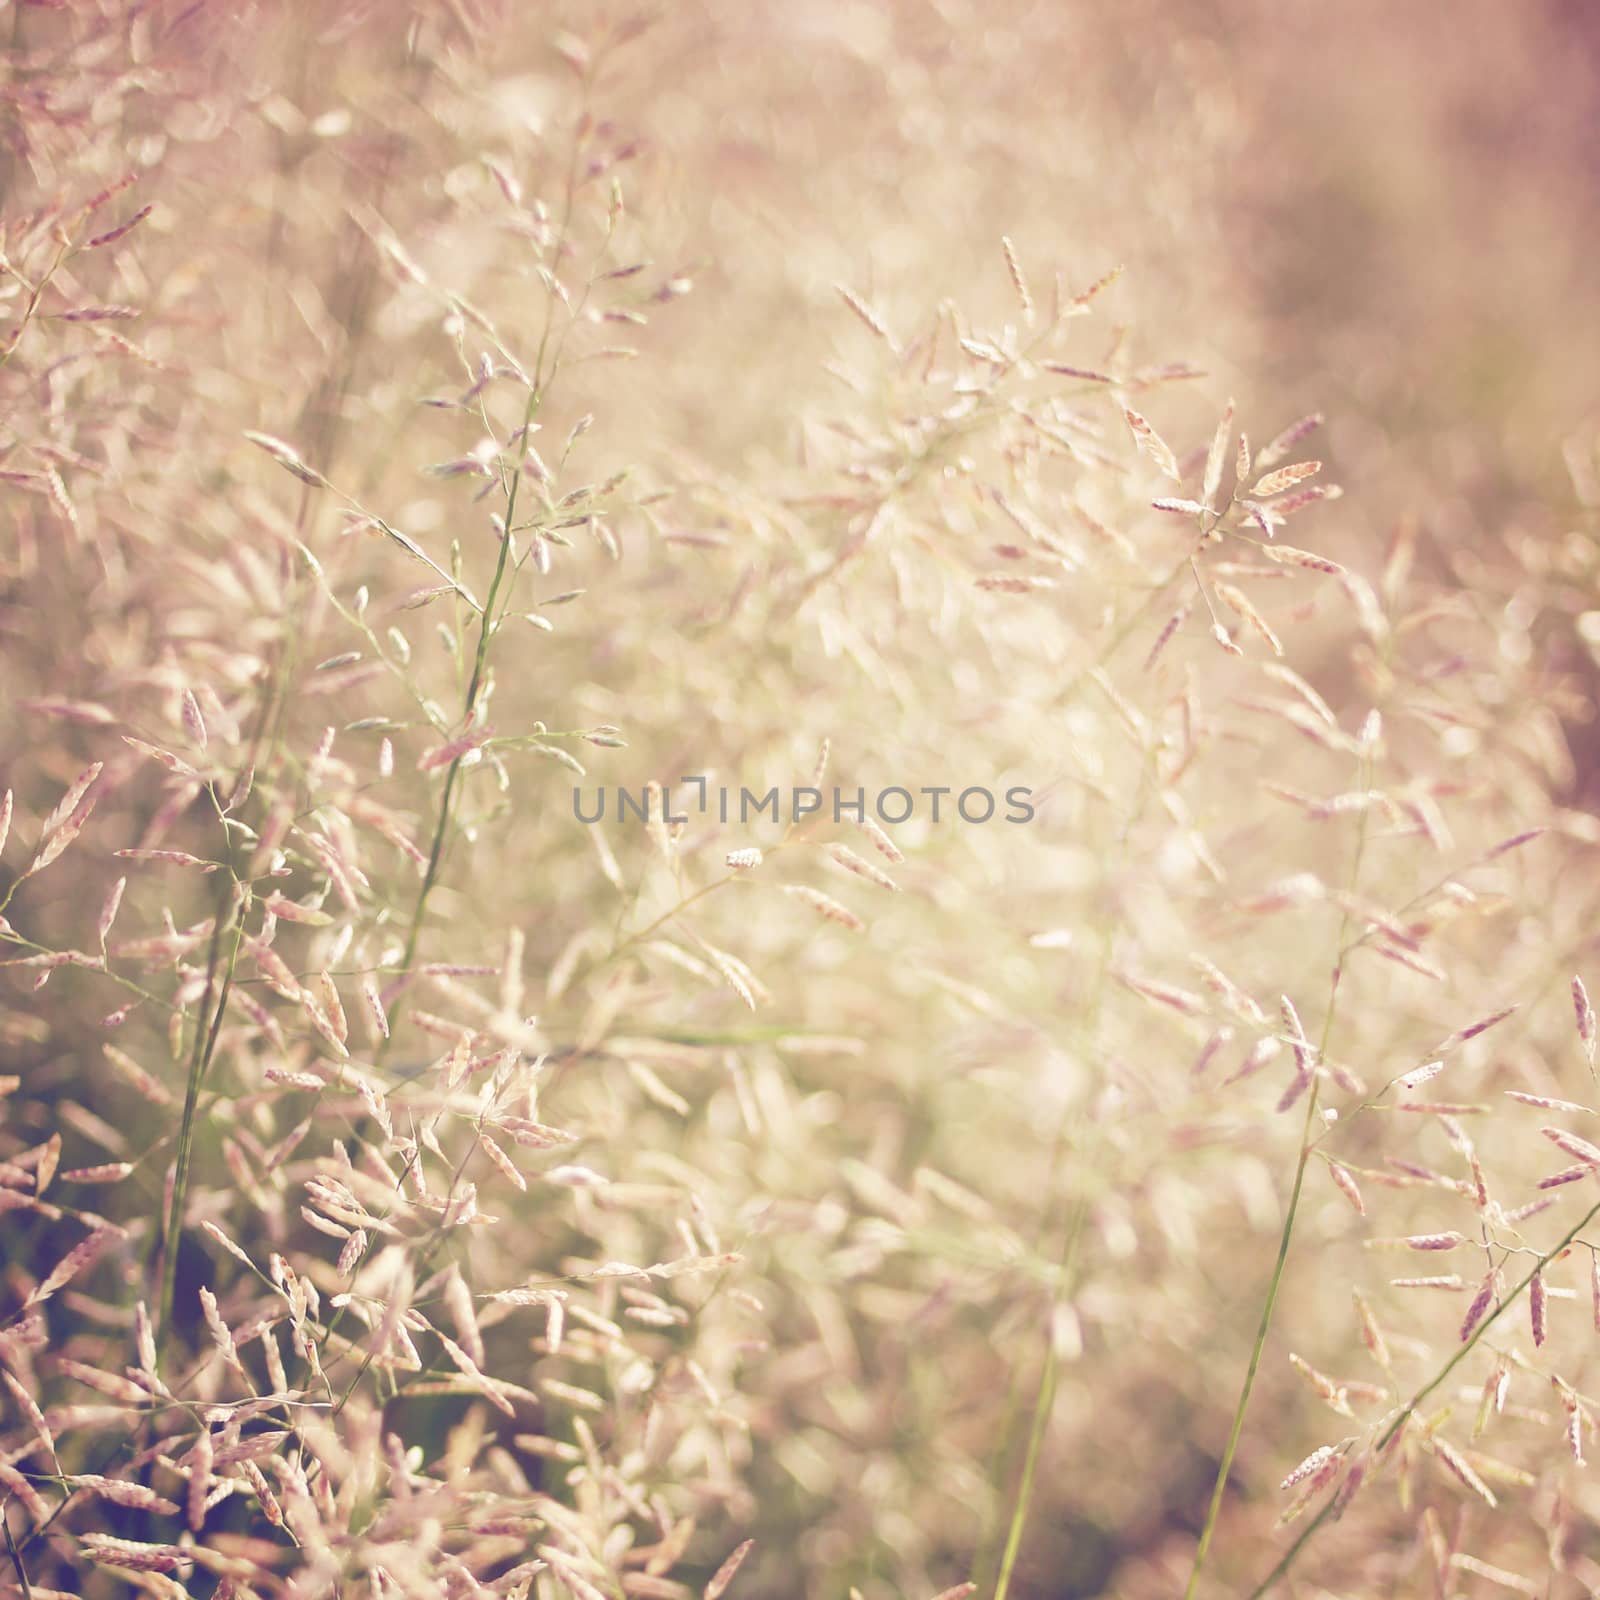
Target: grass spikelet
{"points": [[1333, 1394], [1284, 478], [1585, 1016], [723, 1577], [1567, 1175], [1472, 1030], [1290, 555], [1515, 842], [287, 457], [868, 316], [119, 1492], [201, 1461], [881, 840], [1347, 1186], [1462, 1469], [1417, 1076], [29, 1498], [1544, 1102], [86, 1251], [1151, 444], [1277, 448], [220, 1333], [1225, 639], [1480, 1304], [1515, 1582], [1237, 600], [1238, 1002], [1018, 282], [1371, 1333], [1313, 1464], [1216, 457], [1170, 628], [826, 906], [1183, 1001], [1578, 1148], [1014, 582], [845, 858], [36, 1420], [1209, 1051]]}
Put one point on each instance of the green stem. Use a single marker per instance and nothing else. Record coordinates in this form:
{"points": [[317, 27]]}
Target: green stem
{"points": [[1214, 1511], [205, 1045], [1042, 1404], [16, 1558], [430, 876], [1262, 1330], [1044, 1397]]}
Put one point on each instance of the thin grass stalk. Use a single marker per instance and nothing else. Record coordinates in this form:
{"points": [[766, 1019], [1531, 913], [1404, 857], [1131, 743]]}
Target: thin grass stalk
{"points": [[985, 1562], [1214, 1510], [1267, 1309], [430, 876], [205, 1044], [1044, 1397], [16, 1560], [1043, 1401]]}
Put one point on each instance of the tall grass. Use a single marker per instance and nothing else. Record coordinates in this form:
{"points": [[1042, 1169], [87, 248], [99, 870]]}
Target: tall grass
{"points": [[413, 1188]]}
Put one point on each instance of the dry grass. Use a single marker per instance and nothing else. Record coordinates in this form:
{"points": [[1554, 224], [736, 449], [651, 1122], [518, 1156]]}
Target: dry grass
{"points": [[411, 1188]]}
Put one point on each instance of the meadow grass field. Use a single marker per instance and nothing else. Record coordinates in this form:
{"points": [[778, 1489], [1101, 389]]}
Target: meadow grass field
{"points": [[798, 800]]}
